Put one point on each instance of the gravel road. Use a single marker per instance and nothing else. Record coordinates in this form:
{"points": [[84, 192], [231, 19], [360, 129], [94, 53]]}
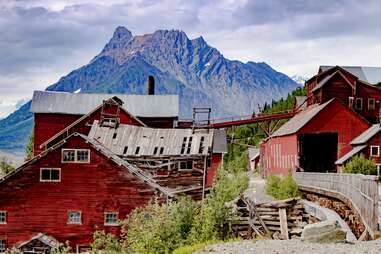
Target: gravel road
{"points": [[292, 246]]}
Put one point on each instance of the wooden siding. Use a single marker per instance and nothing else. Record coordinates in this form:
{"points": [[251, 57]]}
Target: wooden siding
{"points": [[47, 125], [360, 190], [82, 127], [92, 188], [337, 118], [279, 155]]}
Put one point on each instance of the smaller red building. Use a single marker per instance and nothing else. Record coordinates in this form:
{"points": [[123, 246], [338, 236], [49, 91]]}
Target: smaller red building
{"points": [[312, 140], [367, 143]]}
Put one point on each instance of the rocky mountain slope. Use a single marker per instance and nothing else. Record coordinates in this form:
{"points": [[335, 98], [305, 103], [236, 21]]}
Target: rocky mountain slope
{"points": [[199, 73]]}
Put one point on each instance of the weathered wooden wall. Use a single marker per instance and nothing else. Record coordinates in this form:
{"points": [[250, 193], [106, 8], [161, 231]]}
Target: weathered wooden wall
{"points": [[360, 190], [92, 188]]}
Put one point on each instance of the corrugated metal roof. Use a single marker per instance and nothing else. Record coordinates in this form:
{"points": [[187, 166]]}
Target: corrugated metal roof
{"points": [[300, 101], [349, 155], [82, 103], [371, 75], [366, 135], [129, 140], [45, 239], [301, 119], [253, 152]]}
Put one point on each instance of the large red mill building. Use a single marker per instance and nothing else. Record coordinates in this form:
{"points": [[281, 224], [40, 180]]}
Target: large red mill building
{"points": [[97, 158], [340, 105]]}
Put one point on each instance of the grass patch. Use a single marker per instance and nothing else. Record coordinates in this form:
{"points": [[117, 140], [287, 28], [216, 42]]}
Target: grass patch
{"points": [[195, 247]]}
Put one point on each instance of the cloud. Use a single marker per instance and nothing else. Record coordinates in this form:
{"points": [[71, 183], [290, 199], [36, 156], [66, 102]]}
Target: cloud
{"points": [[43, 40]]}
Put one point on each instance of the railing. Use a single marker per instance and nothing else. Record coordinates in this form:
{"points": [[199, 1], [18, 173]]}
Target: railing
{"points": [[360, 190]]}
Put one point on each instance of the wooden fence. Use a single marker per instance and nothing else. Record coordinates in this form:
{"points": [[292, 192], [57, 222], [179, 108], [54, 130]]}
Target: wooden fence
{"points": [[360, 190]]}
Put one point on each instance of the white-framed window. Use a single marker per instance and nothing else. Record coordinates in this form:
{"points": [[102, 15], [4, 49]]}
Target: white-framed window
{"points": [[50, 175], [350, 102], [371, 104], [75, 156], [185, 165], [3, 246], [111, 219], [358, 104], [375, 151], [3, 217], [74, 217]]}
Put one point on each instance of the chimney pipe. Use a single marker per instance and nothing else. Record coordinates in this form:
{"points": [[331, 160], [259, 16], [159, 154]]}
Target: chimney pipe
{"points": [[151, 85]]}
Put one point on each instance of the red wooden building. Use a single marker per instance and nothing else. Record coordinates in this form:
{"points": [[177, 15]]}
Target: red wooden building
{"points": [[54, 111], [96, 170], [367, 143], [312, 140], [356, 86]]}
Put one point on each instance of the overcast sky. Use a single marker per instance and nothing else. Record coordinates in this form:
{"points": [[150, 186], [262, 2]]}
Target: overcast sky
{"points": [[42, 40]]}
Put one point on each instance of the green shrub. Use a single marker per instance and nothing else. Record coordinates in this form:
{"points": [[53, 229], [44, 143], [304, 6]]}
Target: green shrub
{"points": [[360, 165], [5, 167], [282, 188], [107, 243], [195, 247]]}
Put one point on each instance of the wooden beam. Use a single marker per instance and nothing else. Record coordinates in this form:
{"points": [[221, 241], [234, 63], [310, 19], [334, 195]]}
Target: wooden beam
{"points": [[283, 223]]}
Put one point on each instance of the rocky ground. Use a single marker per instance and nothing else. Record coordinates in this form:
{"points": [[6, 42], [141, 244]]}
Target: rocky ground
{"points": [[292, 246]]}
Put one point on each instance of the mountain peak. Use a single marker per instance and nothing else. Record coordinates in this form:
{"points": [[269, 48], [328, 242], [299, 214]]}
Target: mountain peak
{"points": [[121, 33]]}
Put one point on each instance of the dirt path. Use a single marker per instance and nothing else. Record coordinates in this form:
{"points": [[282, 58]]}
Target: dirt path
{"points": [[256, 190], [292, 247]]}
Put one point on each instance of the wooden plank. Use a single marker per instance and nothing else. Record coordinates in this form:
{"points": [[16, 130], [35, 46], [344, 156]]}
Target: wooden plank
{"points": [[283, 223]]}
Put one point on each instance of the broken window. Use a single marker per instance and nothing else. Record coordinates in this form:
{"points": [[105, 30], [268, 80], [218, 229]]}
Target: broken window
{"points": [[50, 175], [74, 217], [68, 155], [3, 217], [76, 155], [82, 155], [111, 218], [186, 165]]}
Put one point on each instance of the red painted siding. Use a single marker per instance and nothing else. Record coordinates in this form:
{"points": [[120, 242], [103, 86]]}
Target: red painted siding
{"points": [[44, 130], [279, 155], [46, 125], [92, 188], [216, 161]]}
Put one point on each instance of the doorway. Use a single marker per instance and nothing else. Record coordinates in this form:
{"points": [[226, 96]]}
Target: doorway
{"points": [[318, 152]]}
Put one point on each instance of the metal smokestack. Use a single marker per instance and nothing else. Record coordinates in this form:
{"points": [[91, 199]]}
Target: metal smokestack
{"points": [[151, 85]]}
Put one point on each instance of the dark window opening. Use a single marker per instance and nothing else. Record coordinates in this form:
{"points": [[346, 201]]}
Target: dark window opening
{"points": [[50, 175], [155, 150], [137, 150], [201, 148], [3, 246], [318, 152], [186, 165], [114, 136], [125, 149], [161, 150]]}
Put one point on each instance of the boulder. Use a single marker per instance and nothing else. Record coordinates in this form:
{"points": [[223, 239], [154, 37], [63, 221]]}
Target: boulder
{"points": [[323, 232]]}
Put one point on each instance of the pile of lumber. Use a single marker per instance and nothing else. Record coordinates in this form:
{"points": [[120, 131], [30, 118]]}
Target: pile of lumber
{"points": [[282, 219]]}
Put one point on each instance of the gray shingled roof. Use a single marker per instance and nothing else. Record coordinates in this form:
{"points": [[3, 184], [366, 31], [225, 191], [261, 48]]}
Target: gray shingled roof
{"points": [[149, 141], [350, 154], [366, 135], [82, 103], [371, 75], [299, 120], [253, 152]]}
